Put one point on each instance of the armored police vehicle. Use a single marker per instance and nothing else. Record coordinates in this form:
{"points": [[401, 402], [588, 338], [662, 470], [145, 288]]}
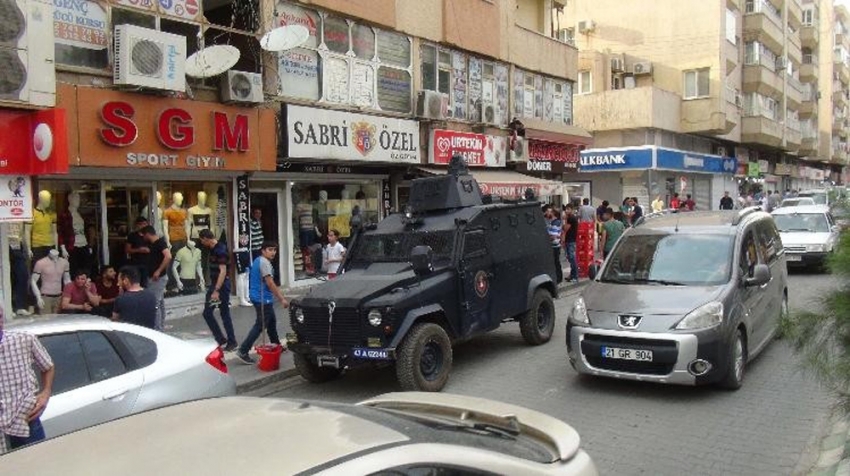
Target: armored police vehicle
{"points": [[453, 266]]}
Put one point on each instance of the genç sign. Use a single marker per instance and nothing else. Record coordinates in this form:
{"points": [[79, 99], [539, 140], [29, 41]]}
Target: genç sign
{"points": [[175, 130]]}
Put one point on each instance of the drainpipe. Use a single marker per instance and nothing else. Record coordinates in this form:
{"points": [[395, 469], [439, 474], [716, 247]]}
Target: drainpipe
{"points": [[785, 61]]}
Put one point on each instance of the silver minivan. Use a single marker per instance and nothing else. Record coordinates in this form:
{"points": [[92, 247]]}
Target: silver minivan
{"points": [[683, 298]]}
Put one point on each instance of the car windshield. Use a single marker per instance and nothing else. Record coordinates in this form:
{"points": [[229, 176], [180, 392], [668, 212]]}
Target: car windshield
{"points": [[670, 259], [812, 222], [818, 197], [396, 247]]}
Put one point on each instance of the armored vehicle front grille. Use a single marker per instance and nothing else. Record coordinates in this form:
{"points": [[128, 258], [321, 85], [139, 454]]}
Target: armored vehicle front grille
{"points": [[345, 329]]}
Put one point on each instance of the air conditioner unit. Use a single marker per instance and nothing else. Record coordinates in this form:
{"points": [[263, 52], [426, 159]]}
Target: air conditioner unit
{"points": [[241, 86], [644, 67], [739, 100], [27, 75], [488, 114], [518, 149], [566, 35], [432, 105], [149, 58], [586, 26], [781, 62], [617, 64]]}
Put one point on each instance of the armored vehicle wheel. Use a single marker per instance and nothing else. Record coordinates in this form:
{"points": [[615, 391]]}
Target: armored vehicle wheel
{"points": [[539, 321], [424, 359], [312, 372]]}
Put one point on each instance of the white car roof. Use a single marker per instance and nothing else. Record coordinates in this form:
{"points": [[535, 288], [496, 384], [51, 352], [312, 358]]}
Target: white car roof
{"points": [[59, 323], [802, 209]]}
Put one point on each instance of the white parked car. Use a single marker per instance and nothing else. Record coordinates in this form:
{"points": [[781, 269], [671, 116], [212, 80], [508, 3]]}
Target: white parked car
{"points": [[107, 370], [809, 234], [797, 201]]}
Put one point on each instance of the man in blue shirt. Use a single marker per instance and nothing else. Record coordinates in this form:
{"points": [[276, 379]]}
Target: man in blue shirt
{"points": [[555, 229], [262, 291], [218, 294]]}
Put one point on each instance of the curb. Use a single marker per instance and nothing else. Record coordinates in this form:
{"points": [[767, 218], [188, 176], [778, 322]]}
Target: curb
{"points": [[833, 456], [264, 379]]}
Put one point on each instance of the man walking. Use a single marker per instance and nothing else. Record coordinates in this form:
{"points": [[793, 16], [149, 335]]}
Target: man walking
{"points": [[586, 213], [21, 401], [136, 305], [570, 235], [159, 260], [262, 291], [612, 229], [137, 249], [218, 294], [726, 202], [555, 229]]}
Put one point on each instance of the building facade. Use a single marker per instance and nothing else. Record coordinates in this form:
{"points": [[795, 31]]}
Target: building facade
{"points": [[709, 80]]}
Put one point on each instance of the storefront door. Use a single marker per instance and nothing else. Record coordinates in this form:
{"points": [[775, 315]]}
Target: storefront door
{"points": [[124, 204], [267, 205]]}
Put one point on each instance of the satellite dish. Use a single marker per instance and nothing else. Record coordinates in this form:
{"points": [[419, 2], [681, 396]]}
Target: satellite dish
{"points": [[284, 38], [212, 61]]}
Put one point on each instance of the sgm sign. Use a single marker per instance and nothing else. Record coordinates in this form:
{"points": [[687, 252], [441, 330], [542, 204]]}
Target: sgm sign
{"points": [[119, 129]]}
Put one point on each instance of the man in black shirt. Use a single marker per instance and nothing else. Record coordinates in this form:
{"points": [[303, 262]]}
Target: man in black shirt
{"points": [[570, 234], [726, 202], [135, 305], [137, 250], [159, 259], [218, 294]]}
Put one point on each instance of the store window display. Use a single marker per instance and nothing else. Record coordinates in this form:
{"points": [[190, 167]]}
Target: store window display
{"points": [[41, 232], [73, 242], [187, 268], [49, 275], [319, 208], [18, 254]]}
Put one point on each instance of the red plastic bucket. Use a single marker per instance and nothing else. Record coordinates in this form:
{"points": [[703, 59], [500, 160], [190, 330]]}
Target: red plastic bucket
{"points": [[269, 357]]}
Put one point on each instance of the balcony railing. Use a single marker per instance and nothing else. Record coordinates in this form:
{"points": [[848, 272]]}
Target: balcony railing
{"points": [[764, 6], [810, 58]]}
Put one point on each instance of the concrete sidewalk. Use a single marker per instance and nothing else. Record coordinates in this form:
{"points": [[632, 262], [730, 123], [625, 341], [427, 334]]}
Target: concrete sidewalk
{"points": [[248, 377]]}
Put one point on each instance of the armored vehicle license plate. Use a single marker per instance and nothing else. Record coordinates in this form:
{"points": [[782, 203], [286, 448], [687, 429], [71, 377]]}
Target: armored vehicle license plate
{"points": [[377, 354], [328, 361], [626, 354]]}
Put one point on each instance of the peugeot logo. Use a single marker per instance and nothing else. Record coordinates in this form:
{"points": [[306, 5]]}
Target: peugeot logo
{"points": [[628, 321]]}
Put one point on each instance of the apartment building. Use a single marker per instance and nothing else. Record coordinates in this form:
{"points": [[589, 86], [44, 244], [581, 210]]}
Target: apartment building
{"points": [[701, 97], [379, 92]]}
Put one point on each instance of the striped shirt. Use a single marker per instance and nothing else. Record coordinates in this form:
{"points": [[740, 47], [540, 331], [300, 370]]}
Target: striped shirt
{"points": [[256, 235], [19, 353]]}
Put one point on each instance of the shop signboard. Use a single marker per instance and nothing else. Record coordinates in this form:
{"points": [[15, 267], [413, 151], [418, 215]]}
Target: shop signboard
{"points": [[33, 142], [679, 160], [80, 23], [317, 168], [119, 129], [517, 189], [764, 166], [782, 169], [15, 198], [478, 150], [322, 134], [243, 212], [753, 170], [600, 160], [554, 157]]}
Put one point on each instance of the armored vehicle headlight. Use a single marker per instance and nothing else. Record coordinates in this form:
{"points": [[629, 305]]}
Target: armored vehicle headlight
{"points": [[579, 312], [299, 315], [704, 316], [375, 317]]}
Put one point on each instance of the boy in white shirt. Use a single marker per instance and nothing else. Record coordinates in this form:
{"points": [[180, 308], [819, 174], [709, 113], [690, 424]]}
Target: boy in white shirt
{"points": [[334, 255]]}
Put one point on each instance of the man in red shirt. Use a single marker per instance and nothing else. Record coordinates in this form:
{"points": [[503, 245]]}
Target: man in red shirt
{"points": [[108, 290], [674, 202], [80, 295]]}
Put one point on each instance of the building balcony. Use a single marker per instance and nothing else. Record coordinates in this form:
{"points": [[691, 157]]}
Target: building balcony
{"points": [[793, 139], [761, 130], [809, 70], [809, 36], [707, 116], [795, 13], [795, 51], [809, 146], [839, 125], [765, 28], [537, 52], [732, 53], [841, 68], [808, 108], [794, 92], [645, 107], [762, 79], [839, 155], [839, 98], [734, 4]]}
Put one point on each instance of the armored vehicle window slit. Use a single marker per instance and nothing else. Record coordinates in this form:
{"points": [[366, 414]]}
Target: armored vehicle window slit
{"points": [[474, 244], [396, 247]]}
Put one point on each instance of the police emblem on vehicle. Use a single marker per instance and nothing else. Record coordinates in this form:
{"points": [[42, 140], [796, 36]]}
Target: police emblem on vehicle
{"points": [[482, 284], [629, 321]]}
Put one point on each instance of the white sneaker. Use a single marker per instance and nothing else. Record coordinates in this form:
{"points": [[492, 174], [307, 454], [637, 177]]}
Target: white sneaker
{"points": [[246, 304], [23, 312]]}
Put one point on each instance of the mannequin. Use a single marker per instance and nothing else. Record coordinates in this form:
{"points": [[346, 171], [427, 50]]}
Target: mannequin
{"points": [[175, 222], [20, 274], [54, 273], [306, 230], [187, 269], [200, 218], [72, 236], [157, 214], [41, 234]]}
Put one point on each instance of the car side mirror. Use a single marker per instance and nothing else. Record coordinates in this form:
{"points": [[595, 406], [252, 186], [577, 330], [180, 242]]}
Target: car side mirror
{"points": [[591, 272], [761, 276], [422, 259]]}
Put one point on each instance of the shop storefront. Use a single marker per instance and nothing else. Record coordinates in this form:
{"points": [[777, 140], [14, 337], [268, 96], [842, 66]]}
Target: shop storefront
{"points": [[172, 162], [649, 171], [333, 173], [552, 161], [33, 143]]}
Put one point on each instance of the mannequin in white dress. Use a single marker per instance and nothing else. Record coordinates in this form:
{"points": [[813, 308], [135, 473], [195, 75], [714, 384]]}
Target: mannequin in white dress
{"points": [[200, 218]]}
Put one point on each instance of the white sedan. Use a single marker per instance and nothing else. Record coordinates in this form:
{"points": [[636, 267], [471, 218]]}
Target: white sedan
{"points": [[809, 234], [107, 370]]}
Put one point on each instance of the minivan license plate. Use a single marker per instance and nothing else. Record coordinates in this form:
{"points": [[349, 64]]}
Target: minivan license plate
{"points": [[626, 354]]}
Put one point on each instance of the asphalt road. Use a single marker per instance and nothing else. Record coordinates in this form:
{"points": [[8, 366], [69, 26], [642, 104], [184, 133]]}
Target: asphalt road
{"points": [[769, 427]]}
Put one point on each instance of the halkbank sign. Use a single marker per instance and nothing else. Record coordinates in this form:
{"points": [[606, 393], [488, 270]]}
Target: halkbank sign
{"points": [[652, 157]]}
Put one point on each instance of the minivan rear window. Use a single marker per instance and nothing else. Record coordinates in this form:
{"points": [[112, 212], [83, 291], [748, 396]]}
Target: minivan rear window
{"points": [[670, 259]]}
